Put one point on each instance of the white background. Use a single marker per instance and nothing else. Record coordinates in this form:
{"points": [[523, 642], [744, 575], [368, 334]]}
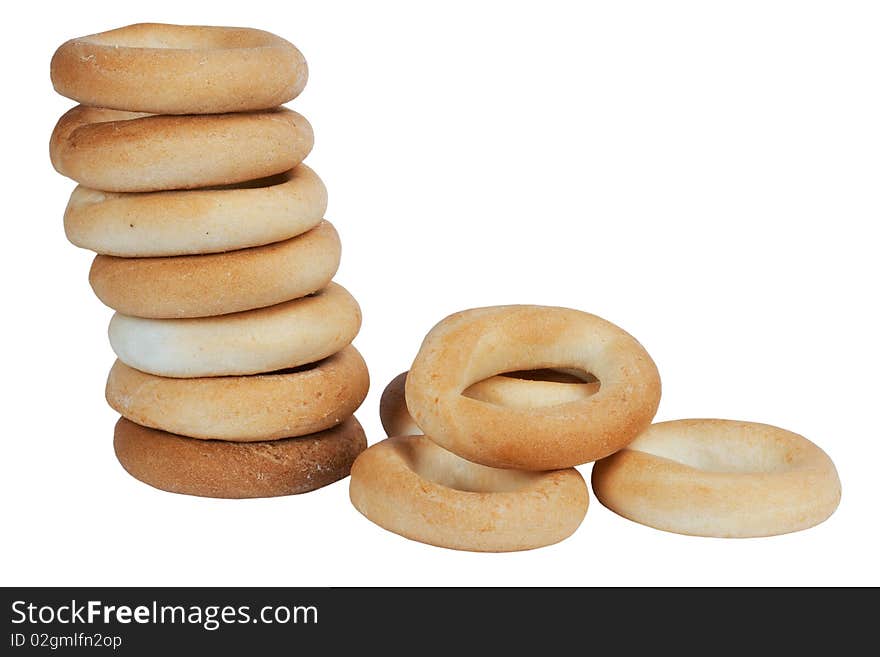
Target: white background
{"points": [[703, 174]]}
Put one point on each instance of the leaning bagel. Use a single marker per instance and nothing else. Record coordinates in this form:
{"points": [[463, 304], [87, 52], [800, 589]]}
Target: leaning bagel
{"points": [[476, 344], [217, 468], [179, 69], [413, 487], [283, 404], [118, 151], [218, 283], [719, 478], [263, 340], [516, 389], [153, 224]]}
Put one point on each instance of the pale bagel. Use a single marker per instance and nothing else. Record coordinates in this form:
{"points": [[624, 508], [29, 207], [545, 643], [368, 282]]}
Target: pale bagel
{"points": [[151, 224], [517, 389], [282, 404], [118, 151], [473, 345], [719, 478], [179, 69], [264, 340], [217, 468], [413, 487], [218, 283]]}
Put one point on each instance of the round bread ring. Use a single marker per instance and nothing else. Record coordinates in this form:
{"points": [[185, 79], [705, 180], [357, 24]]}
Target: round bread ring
{"points": [[476, 344], [179, 69], [155, 224], [218, 283], [517, 389], [393, 413], [411, 486], [719, 478], [286, 335], [283, 404], [217, 468], [118, 151]]}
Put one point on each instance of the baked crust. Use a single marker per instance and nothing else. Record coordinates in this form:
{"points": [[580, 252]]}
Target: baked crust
{"points": [[179, 69], [719, 478], [117, 151], [413, 487], [283, 404], [171, 223], [285, 335], [476, 344], [218, 283], [216, 468], [548, 388]]}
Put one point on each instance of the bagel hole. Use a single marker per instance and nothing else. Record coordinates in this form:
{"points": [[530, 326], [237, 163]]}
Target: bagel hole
{"points": [[513, 389], [442, 467]]}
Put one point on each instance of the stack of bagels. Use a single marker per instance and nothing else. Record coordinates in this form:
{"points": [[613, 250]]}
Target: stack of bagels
{"points": [[235, 374], [501, 403]]}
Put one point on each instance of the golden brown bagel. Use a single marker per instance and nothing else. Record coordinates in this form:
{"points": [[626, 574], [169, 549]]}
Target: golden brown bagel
{"points": [[189, 222], [529, 389], [473, 345], [179, 69], [413, 487]]}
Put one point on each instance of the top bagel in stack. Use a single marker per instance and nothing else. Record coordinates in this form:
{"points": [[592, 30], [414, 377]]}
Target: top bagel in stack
{"points": [[179, 69]]}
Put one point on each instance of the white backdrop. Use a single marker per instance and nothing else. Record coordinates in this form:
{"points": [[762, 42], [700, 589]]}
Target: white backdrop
{"points": [[702, 174]]}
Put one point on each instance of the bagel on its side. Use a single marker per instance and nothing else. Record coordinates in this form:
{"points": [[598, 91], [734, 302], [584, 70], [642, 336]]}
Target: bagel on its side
{"points": [[411, 486], [473, 345]]}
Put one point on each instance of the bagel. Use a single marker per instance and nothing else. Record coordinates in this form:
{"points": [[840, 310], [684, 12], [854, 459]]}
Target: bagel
{"points": [[179, 69], [473, 345], [719, 478], [393, 413], [413, 487], [286, 335], [218, 283], [152, 224], [118, 151], [528, 389], [282, 404], [216, 468]]}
